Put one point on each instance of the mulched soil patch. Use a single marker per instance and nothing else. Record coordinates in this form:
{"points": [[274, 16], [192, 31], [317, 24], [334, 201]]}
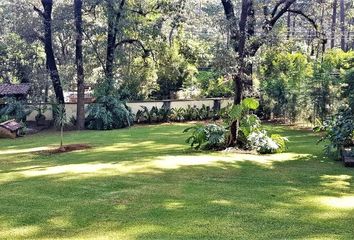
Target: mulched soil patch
{"points": [[66, 148]]}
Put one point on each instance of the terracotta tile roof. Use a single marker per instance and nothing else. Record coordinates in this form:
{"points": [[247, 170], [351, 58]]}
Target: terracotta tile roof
{"points": [[14, 89]]}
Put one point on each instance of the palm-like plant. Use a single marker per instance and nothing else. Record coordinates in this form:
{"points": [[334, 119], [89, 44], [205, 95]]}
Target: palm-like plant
{"points": [[60, 120]]}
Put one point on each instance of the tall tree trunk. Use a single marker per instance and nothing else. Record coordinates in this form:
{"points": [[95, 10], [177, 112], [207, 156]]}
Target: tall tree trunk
{"points": [[239, 37], [352, 35], [342, 25], [288, 26], [111, 41], [80, 112], [112, 31], [48, 47], [334, 23], [239, 40]]}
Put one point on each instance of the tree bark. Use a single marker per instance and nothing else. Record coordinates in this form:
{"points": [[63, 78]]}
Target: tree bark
{"points": [[342, 25], [112, 31], [48, 47], [245, 48], [288, 26], [334, 23], [80, 112]]}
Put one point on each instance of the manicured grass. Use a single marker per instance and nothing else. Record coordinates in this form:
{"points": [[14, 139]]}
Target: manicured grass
{"points": [[145, 183]]}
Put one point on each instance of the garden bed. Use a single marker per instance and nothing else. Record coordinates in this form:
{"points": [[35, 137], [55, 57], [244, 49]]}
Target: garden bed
{"points": [[66, 148]]}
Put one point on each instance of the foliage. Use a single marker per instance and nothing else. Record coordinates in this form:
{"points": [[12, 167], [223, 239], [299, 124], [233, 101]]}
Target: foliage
{"points": [[284, 83], [173, 71], [16, 109], [139, 79], [177, 114], [107, 113], [239, 111], [205, 112], [154, 115], [219, 87], [60, 120], [339, 127], [213, 84], [328, 81], [241, 114], [191, 113], [249, 124], [280, 141], [209, 136], [338, 130], [348, 92], [296, 86], [41, 109], [4, 118], [250, 133], [260, 141]]}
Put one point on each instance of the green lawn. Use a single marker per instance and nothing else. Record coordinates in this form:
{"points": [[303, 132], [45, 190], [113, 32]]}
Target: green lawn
{"points": [[145, 183]]}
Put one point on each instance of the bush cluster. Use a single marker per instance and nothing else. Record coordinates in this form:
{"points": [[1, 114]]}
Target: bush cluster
{"points": [[157, 115]]}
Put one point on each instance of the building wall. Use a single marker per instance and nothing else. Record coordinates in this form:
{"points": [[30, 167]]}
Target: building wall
{"points": [[135, 106]]}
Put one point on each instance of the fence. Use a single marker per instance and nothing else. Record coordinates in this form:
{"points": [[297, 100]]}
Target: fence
{"points": [[215, 103]]}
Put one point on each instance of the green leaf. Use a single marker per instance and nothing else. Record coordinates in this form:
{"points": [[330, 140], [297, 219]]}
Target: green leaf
{"points": [[236, 112], [250, 103]]}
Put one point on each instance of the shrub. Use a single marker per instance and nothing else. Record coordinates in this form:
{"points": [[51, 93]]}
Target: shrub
{"points": [[177, 114], [191, 113], [15, 109], [60, 120], [247, 122], [261, 142], [164, 114], [338, 130], [108, 113], [280, 141], [154, 115], [4, 118], [205, 113], [212, 136]]}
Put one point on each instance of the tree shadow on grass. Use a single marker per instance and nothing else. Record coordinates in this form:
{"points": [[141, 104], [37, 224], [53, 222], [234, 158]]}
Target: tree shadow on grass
{"points": [[156, 189], [241, 199]]}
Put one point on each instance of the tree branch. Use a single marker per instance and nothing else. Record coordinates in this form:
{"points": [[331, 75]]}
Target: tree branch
{"points": [[147, 52], [299, 12], [275, 9], [278, 15], [95, 50], [40, 13], [144, 14]]}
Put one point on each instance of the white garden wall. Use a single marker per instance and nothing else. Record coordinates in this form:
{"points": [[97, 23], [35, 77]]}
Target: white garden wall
{"points": [[135, 106], [192, 103]]}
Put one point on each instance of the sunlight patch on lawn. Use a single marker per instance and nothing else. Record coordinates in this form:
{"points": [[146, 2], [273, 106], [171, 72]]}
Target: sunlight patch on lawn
{"points": [[71, 168], [345, 202], [60, 221], [173, 205], [26, 150], [336, 181], [118, 147], [163, 162], [329, 203], [222, 202], [321, 237], [18, 232], [174, 162]]}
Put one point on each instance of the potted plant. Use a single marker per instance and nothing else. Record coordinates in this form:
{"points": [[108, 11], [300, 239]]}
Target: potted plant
{"points": [[40, 117]]}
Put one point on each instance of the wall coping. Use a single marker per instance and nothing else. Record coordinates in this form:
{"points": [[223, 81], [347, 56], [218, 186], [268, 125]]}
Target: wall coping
{"points": [[152, 101]]}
